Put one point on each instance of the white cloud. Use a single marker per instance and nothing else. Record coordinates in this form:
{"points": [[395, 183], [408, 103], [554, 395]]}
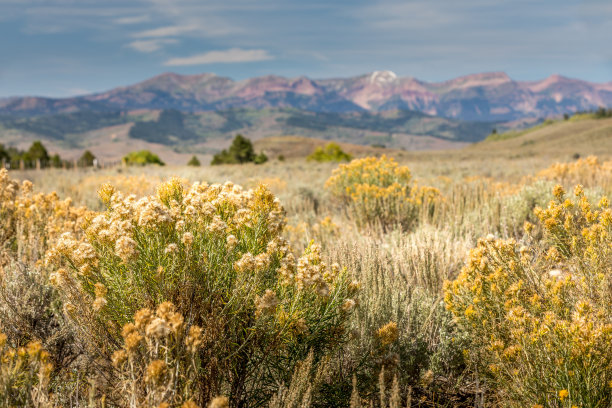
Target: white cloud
{"points": [[151, 45], [233, 55], [168, 31]]}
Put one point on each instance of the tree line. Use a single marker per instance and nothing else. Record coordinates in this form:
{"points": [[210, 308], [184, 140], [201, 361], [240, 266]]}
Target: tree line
{"points": [[37, 156]]}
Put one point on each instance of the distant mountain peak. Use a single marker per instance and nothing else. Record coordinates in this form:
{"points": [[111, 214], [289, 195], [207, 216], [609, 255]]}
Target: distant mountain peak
{"points": [[383, 77], [481, 79], [174, 77]]}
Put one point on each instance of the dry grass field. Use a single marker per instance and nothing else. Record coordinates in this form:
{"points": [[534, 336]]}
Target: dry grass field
{"points": [[475, 277]]}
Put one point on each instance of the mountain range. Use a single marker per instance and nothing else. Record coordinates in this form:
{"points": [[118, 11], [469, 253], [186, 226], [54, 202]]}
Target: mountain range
{"points": [[485, 97]]}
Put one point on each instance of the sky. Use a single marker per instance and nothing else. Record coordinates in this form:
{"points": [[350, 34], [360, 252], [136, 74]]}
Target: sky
{"points": [[61, 48]]}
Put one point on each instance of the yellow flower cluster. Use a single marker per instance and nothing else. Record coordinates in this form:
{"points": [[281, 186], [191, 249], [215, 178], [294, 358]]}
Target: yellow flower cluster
{"points": [[590, 172], [540, 313], [23, 372], [158, 357], [383, 171], [388, 334], [34, 220], [379, 190]]}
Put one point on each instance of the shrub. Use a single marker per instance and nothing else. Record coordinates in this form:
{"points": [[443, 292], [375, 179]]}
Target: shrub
{"points": [[539, 314], [400, 280], [193, 161], [590, 172], [142, 158], [379, 191], [159, 358], [331, 152], [261, 158], [30, 222], [30, 310], [217, 254], [29, 307], [24, 375]]}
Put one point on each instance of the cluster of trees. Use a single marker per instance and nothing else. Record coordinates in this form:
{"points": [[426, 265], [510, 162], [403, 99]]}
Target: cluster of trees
{"points": [[599, 113], [602, 113], [241, 151], [37, 152], [38, 155]]}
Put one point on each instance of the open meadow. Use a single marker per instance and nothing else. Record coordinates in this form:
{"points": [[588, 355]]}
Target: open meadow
{"points": [[476, 277]]}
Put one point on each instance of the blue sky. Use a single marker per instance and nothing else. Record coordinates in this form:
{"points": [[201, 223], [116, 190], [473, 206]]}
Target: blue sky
{"points": [[70, 47]]}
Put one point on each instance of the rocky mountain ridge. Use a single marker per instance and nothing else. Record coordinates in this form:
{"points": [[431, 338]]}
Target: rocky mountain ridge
{"points": [[479, 97]]}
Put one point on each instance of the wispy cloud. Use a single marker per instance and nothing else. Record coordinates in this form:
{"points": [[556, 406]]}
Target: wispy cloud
{"points": [[76, 91], [132, 20], [233, 55], [151, 45], [168, 31]]}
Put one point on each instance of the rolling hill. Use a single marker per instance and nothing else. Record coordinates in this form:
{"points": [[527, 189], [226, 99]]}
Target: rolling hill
{"points": [[559, 141], [109, 133], [561, 138]]}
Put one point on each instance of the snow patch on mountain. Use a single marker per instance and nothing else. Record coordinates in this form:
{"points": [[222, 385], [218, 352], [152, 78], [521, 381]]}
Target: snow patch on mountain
{"points": [[383, 77]]}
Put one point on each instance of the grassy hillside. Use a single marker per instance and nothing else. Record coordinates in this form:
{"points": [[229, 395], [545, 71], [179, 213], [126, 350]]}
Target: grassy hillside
{"points": [[583, 137], [561, 141], [300, 147], [207, 132]]}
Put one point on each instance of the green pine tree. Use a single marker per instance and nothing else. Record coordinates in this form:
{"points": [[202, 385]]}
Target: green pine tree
{"points": [[37, 152], [87, 159], [240, 151], [194, 162]]}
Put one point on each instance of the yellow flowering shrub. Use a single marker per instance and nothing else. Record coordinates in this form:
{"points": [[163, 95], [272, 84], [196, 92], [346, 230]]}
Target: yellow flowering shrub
{"points": [[539, 314], [24, 375], [590, 172], [158, 362], [216, 252], [379, 191], [30, 222], [9, 189]]}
